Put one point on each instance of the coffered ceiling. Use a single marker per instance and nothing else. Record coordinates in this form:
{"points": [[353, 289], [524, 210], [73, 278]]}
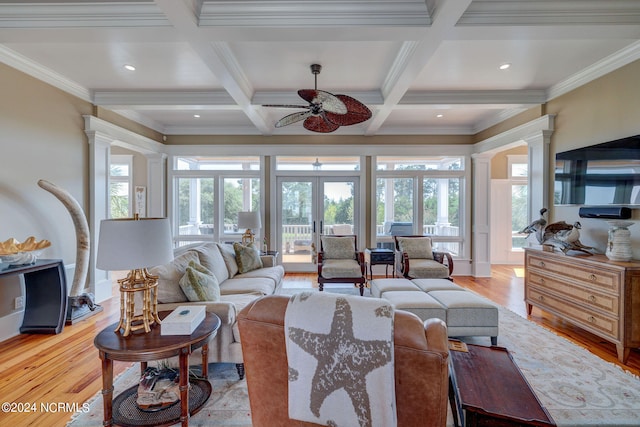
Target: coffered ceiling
{"points": [[422, 67]]}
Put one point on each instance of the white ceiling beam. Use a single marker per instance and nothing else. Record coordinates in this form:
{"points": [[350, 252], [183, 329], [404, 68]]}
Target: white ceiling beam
{"points": [[532, 97], [81, 14], [414, 57], [218, 58], [557, 12], [305, 13]]}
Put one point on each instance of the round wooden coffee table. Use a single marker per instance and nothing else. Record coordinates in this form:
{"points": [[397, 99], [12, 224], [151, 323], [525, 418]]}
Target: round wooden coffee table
{"points": [[143, 347]]}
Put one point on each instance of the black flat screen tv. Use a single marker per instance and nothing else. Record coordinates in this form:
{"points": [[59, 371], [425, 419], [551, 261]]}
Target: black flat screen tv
{"points": [[599, 175]]}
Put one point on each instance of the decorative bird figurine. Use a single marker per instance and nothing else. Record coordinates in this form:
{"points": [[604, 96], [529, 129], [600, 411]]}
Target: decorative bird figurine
{"points": [[537, 226], [565, 237]]}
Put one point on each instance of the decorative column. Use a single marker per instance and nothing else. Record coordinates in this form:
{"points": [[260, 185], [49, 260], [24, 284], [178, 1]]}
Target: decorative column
{"points": [[156, 187], [99, 159], [539, 172], [481, 251]]}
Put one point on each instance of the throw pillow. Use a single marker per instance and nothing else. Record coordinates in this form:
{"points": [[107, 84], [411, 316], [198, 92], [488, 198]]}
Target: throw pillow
{"points": [[169, 275], [338, 247], [199, 284], [247, 257], [416, 247]]}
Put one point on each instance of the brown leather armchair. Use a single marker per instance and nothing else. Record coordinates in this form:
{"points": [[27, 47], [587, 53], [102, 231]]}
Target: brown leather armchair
{"points": [[416, 260], [339, 261], [420, 354]]}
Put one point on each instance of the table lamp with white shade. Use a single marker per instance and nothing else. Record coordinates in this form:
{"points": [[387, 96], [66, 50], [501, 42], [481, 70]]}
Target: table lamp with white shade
{"points": [[250, 221], [135, 245]]}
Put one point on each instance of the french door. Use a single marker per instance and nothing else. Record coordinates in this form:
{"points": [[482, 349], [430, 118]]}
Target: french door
{"points": [[308, 207]]}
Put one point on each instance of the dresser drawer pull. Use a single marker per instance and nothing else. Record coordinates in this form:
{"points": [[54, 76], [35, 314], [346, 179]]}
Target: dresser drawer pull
{"points": [[591, 319], [592, 298], [542, 281], [593, 277], [541, 263], [541, 298]]}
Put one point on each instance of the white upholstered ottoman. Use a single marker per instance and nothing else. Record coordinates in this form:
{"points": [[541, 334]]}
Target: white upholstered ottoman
{"points": [[418, 303], [468, 314], [380, 286], [428, 285]]}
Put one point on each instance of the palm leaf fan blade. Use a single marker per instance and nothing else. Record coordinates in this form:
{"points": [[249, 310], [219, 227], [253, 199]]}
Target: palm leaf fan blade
{"points": [[357, 112], [292, 118], [319, 124]]}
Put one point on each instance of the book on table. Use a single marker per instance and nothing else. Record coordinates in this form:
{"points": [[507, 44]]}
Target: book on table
{"points": [[183, 320]]}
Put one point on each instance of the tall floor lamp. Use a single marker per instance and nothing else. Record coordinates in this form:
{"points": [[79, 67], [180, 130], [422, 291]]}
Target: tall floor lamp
{"points": [[250, 221], [135, 244]]}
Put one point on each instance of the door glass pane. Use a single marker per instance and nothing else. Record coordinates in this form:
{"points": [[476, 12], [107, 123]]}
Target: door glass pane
{"points": [[240, 195], [518, 214], [394, 209], [195, 206], [338, 207], [297, 221], [441, 206]]}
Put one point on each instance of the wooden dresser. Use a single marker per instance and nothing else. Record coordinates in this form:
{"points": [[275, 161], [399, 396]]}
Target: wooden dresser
{"points": [[592, 292]]}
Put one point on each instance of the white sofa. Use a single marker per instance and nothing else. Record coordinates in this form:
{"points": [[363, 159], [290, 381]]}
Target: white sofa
{"points": [[236, 291]]}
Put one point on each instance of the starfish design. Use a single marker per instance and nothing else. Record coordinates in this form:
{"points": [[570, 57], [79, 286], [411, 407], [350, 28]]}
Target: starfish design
{"points": [[344, 361]]}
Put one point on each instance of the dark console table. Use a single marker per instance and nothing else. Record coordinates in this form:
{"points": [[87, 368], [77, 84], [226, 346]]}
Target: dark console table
{"points": [[45, 285]]}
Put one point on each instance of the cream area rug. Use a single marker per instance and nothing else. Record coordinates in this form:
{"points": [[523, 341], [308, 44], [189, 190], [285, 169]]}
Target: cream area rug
{"points": [[576, 387]]}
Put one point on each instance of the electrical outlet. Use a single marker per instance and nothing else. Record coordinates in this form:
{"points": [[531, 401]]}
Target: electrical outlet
{"points": [[19, 303]]}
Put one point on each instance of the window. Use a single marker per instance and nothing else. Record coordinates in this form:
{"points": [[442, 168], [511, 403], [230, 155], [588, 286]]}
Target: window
{"points": [[208, 193], [120, 186], [420, 195], [301, 163], [518, 173]]}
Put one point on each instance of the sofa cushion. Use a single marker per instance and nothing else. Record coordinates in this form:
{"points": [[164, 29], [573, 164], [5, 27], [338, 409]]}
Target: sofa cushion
{"points": [[229, 255], [247, 257], [239, 285], [416, 247], [275, 273], [338, 247], [199, 284], [169, 276], [212, 259]]}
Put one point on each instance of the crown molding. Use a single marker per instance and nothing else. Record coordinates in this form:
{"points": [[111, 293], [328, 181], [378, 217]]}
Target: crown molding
{"points": [[300, 13], [33, 69], [27, 14], [611, 63], [557, 12]]}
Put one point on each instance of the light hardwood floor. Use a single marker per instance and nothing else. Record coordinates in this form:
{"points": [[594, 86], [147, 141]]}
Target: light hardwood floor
{"points": [[65, 368]]}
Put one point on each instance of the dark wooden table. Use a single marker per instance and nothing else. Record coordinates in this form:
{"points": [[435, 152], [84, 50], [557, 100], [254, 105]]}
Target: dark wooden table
{"points": [[143, 347], [488, 389], [380, 256]]}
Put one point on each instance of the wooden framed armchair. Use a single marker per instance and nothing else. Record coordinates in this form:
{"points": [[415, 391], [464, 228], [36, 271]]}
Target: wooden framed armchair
{"points": [[339, 261], [415, 259]]}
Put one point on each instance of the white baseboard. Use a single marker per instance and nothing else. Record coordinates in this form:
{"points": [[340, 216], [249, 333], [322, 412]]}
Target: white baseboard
{"points": [[10, 325]]}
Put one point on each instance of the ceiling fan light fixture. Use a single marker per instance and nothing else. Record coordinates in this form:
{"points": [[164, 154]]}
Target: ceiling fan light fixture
{"points": [[326, 112]]}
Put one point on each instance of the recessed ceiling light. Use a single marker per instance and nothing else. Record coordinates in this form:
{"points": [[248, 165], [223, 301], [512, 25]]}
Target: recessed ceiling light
{"points": [[197, 116], [439, 115], [130, 67], [504, 66]]}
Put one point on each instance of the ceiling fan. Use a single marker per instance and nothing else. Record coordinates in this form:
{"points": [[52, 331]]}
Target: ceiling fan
{"points": [[326, 112]]}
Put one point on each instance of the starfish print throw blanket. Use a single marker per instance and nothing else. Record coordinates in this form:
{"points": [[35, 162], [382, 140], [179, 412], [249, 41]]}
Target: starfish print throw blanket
{"points": [[340, 355]]}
